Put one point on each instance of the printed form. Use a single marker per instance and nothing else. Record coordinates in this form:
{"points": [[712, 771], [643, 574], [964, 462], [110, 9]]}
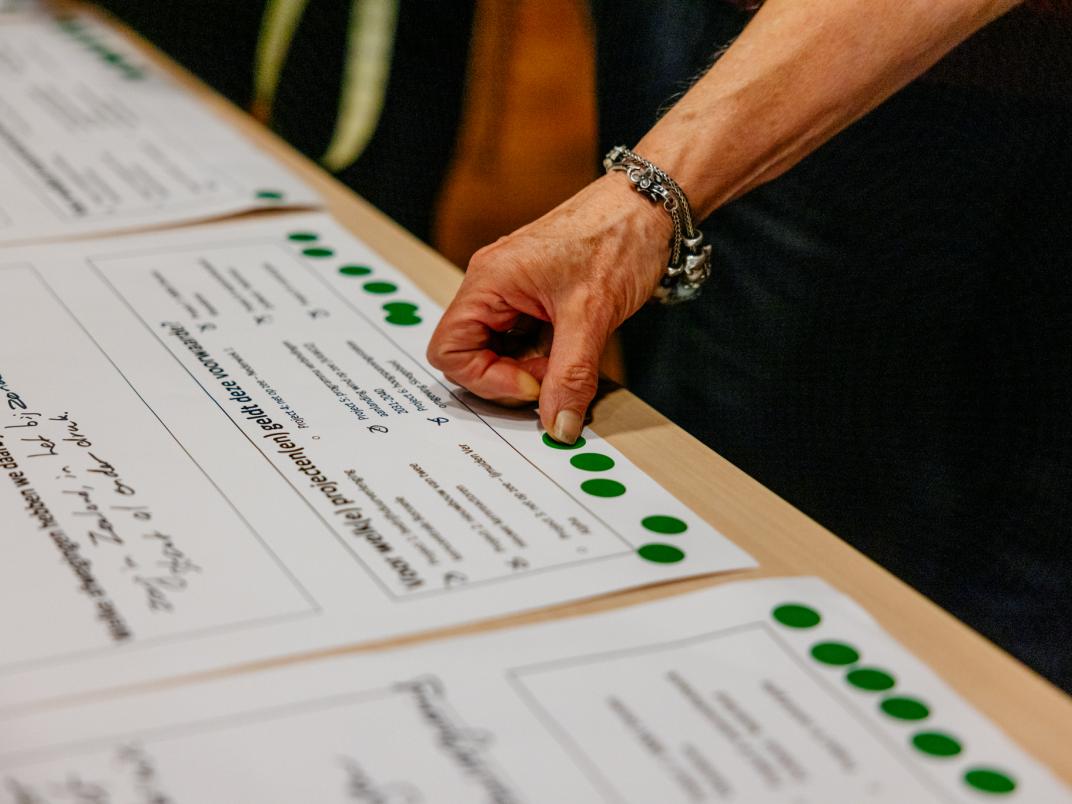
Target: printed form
{"points": [[223, 444], [93, 139], [759, 692], [10, 8]]}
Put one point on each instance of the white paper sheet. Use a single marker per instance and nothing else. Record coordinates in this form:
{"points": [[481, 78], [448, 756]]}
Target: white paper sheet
{"points": [[710, 697], [9, 9], [217, 444], [93, 139]]}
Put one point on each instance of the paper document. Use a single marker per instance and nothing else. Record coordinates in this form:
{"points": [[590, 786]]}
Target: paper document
{"points": [[223, 443], [9, 8], [94, 139], [763, 691]]}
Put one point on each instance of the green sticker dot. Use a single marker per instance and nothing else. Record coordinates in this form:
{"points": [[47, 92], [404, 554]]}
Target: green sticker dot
{"points": [[989, 781], [664, 524], [318, 252], [580, 442], [936, 744], [600, 487], [303, 237], [403, 319], [268, 195], [661, 553], [355, 270], [795, 615], [592, 462], [380, 287], [396, 308], [870, 679], [835, 653], [905, 708]]}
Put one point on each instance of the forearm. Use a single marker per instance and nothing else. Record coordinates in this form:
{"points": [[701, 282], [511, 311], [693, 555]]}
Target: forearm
{"points": [[801, 71]]}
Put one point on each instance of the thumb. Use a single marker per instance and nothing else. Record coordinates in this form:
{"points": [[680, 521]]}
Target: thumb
{"points": [[572, 376]]}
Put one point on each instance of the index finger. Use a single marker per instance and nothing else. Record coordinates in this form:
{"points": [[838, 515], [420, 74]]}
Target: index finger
{"points": [[460, 348]]}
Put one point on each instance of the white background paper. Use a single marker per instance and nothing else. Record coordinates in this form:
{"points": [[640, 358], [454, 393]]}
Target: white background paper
{"points": [[93, 139], [703, 698]]}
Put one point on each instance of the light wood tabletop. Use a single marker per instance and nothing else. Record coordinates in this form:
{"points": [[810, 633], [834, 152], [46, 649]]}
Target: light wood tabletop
{"points": [[784, 541]]}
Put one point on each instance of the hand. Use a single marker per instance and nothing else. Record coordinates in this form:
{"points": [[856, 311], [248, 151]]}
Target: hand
{"points": [[581, 270]]}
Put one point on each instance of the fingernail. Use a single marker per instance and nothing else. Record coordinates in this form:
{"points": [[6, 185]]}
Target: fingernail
{"points": [[528, 387], [567, 426]]}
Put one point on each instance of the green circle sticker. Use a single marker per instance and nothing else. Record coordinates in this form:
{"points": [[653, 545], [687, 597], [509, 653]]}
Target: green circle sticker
{"points": [[400, 307], [580, 442], [661, 553], [795, 615], [905, 708], [870, 679], [403, 319], [989, 780], [592, 462], [835, 653], [380, 287], [600, 487], [303, 237], [936, 744], [355, 270], [270, 195], [318, 252], [668, 525]]}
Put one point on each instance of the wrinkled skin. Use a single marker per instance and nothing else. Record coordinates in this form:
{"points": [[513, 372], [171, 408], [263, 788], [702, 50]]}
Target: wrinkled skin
{"points": [[800, 72], [581, 270]]}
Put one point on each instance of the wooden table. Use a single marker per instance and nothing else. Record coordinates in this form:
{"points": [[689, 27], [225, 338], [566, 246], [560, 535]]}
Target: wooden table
{"points": [[784, 541]]}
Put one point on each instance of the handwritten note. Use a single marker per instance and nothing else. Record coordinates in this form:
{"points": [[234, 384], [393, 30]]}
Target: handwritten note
{"points": [[115, 530]]}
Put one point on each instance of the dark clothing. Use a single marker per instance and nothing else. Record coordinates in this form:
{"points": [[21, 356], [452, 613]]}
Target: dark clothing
{"points": [[403, 167], [216, 40], [404, 164], [887, 339]]}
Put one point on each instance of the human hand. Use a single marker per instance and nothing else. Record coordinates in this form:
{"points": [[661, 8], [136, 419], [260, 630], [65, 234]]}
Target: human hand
{"points": [[581, 270]]}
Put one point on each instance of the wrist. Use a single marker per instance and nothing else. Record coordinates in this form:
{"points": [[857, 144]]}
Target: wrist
{"points": [[642, 218], [689, 263], [684, 166]]}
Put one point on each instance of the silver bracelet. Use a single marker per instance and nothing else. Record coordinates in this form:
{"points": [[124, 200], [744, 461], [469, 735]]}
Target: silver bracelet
{"points": [[690, 259]]}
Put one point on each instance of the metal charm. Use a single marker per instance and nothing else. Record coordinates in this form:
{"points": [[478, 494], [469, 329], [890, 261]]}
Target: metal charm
{"points": [[690, 259]]}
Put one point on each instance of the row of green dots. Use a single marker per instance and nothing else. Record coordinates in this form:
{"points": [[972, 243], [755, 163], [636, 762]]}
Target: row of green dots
{"points": [[77, 31], [871, 679], [656, 552], [590, 462], [401, 314]]}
